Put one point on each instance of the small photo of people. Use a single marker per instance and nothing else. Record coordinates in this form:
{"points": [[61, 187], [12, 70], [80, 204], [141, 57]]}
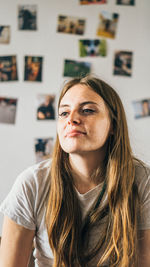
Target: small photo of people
{"points": [[4, 34], [8, 69], [33, 68], [125, 2], [46, 107], [141, 108], [27, 17], [90, 2], [107, 24], [92, 48], [71, 25], [8, 108], [43, 148], [74, 68], [123, 63]]}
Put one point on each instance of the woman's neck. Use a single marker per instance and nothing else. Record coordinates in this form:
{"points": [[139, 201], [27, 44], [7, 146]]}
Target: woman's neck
{"points": [[83, 168]]}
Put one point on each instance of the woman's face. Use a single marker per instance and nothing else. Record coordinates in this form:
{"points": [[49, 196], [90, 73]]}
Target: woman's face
{"points": [[84, 123]]}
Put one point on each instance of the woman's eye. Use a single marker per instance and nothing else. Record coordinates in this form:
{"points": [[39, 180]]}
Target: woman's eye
{"points": [[88, 111], [63, 114]]}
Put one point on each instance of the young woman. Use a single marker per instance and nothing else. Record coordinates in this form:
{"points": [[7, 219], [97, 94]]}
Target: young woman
{"points": [[91, 205]]}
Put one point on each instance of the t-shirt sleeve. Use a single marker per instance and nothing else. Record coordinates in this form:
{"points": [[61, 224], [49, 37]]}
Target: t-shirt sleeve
{"points": [[144, 194], [19, 203]]}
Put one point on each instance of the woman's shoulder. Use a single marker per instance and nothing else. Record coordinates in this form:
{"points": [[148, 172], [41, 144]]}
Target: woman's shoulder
{"points": [[142, 179], [34, 180], [28, 194], [142, 170], [41, 170], [37, 173]]}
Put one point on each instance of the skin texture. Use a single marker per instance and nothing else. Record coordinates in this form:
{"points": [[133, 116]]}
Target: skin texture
{"points": [[84, 123], [16, 245]]}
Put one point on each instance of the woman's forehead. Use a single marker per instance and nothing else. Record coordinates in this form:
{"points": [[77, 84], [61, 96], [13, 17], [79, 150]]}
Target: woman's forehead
{"points": [[81, 93]]}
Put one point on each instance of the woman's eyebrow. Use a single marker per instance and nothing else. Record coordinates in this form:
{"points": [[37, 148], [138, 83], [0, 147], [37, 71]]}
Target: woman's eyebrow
{"points": [[63, 105], [81, 104], [88, 102]]}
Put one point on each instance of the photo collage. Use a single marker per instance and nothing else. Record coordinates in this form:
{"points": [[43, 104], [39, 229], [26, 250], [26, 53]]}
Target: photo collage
{"points": [[106, 28]]}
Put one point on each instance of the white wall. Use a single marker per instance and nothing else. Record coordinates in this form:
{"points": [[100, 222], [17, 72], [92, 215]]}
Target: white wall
{"points": [[133, 34]]}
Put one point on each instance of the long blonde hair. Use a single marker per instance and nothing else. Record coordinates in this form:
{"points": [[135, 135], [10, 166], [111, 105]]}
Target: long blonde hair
{"points": [[63, 217]]}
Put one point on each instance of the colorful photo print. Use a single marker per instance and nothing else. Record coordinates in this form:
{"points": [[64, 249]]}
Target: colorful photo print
{"points": [[74, 68], [33, 68], [92, 48], [45, 107], [90, 2], [4, 34], [8, 69], [141, 108], [27, 17], [125, 2], [8, 110], [43, 148], [107, 24], [72, 25], [123, 63]]}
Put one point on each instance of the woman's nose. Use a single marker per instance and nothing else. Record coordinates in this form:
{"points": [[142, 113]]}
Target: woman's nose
{"points": [[74, 118]]}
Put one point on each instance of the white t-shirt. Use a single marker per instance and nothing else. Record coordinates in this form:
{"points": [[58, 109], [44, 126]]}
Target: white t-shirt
{"points": [[26, 205]]}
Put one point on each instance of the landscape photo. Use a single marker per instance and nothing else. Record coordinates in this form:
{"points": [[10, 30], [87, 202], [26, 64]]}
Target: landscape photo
{"points": [[74, 68]]}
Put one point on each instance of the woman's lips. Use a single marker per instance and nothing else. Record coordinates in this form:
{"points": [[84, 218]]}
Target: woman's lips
{"points": [[74, 133]]}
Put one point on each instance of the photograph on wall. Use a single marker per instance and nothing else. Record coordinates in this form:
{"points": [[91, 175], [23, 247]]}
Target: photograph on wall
{"points": [[43, 148], [8, 68], [92, 48], [4, 34], [141, 108], [8, 108], [107, 24], [33, 68], [45, 107], [90, 2], [71, 25], [123, 63], [74, 68], [125, 2], [27, 17]]}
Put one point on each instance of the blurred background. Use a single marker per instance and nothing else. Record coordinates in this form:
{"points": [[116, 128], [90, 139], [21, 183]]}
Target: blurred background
{"points": [[44, 43]]}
